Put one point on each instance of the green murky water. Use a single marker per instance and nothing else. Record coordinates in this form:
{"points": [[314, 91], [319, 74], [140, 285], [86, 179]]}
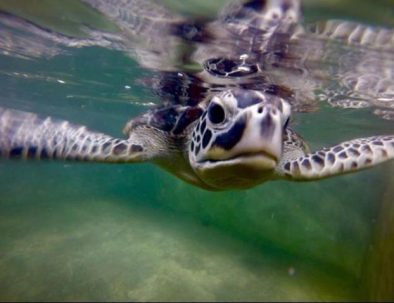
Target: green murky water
{"points": [[72, 231]]}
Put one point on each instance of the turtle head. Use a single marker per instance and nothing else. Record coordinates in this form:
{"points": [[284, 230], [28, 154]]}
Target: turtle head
{"points": [[237, 142]]}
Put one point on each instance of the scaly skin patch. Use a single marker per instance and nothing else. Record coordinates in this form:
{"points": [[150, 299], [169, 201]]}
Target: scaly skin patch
{"points": [[25, 135], [347, 157]]}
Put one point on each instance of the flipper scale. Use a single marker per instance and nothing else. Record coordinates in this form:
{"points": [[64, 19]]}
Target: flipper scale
{"points": [[347, 157], [26, 135]]}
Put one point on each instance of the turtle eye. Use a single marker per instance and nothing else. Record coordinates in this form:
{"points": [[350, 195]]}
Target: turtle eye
{"points": [[216, 113]]}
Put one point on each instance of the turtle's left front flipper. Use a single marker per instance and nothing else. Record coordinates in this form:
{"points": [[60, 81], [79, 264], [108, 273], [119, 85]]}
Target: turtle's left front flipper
{"points": [[347, 157]]}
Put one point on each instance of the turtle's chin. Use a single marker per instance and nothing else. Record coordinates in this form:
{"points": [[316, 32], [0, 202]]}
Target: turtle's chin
{"points": [[239, 172]]}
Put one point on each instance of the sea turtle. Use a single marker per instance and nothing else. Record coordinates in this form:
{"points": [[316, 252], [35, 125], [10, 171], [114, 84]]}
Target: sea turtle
{"points": [[226, 124]]}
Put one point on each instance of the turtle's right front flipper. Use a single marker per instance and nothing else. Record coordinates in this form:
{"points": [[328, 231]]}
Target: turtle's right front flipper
{"points": [[25, 135]]}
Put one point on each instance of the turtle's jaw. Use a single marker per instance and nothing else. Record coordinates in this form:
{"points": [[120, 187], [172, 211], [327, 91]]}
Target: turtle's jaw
{"points": [[242, 171], [261, 160]]}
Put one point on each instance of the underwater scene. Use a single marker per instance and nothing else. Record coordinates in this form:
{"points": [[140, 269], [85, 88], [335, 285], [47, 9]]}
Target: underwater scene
{"points": [[80, 231]]}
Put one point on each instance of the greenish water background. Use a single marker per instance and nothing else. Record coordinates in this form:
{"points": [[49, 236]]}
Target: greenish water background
{"points": [[78, 231]]}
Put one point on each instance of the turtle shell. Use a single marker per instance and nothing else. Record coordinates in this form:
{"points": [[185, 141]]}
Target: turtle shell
{"points": [[173, 119]]}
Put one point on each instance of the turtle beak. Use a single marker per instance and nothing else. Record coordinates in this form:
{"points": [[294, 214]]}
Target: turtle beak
{"points": [[262, 135]]}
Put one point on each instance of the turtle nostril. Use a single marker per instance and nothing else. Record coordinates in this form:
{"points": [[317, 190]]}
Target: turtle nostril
{"points": [[260, 109]]}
